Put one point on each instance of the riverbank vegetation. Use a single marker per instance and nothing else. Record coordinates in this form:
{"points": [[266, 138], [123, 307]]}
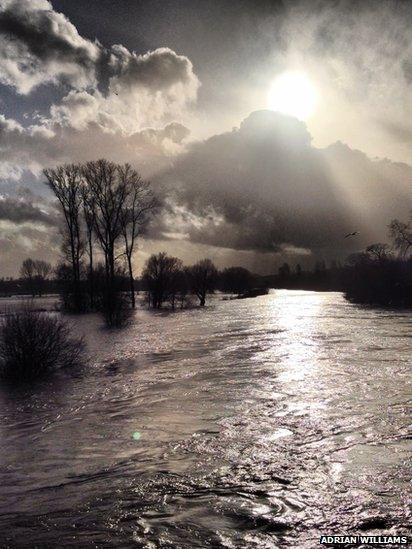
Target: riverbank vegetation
{"points": [[382, 274]]}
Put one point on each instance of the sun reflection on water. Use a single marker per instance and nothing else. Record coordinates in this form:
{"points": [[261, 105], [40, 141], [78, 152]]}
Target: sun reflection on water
{"points": [[299, 319]]}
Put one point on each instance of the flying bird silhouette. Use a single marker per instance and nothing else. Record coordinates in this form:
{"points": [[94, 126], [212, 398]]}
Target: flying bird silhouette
{"points": [[355, 233]]}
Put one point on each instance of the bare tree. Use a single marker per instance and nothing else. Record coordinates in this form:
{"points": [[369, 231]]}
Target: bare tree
{"points": [[107, 196], [284, 270], [43, 268], [35, 273], [160, 276], [379, 251], [89, 220], [177, 285], [401, 234], [65, 182], [236, 280], [139, 204], [42, 271], [28, 273], [203, 278]]}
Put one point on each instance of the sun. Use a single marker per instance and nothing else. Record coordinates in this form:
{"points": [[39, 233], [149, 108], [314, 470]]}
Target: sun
{"points": [[293, 93]]}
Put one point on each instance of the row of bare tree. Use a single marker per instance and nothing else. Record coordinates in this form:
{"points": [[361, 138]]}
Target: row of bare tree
{"points": [[167, 280], [105, 205]]}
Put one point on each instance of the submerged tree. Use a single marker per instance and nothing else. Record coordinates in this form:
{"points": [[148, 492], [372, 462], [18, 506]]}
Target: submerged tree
{"points": [[34, 273], [107, 205], [27, 273], [65, 182], [107, 193], [42, 272], [284, 270], [375, 276], [203, 278], [34, 343], [139, 204], [378, 251], [88, 215], [159, 276], [236, 280]]}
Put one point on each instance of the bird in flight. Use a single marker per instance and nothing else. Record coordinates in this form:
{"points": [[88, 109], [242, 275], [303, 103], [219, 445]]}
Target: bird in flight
{"points": [[355, 233]]}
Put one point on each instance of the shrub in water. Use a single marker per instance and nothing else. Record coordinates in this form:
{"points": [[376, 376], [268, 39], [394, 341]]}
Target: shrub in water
{"points": [[116, 310], [34, 343]]}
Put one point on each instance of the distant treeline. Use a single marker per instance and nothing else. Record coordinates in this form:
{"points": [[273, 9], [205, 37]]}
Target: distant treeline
{"points": [[322, 278], [382, 274], [379, 275], [165, 281]]}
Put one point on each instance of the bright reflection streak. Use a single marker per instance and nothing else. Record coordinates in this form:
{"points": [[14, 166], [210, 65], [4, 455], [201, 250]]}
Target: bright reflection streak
{"points": [[299, 317]]}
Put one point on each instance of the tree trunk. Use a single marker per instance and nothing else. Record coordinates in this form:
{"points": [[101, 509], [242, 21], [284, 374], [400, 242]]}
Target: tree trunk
{"points": [[131, 280], [76, 271], [91, 277]]}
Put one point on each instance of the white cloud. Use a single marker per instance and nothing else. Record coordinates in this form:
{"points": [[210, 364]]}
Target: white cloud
{"points": [[39, 45], [112, 87], [121, 105]]}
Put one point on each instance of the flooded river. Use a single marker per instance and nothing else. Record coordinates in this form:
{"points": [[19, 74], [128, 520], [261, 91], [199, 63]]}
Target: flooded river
{"points": [[261, 422]]}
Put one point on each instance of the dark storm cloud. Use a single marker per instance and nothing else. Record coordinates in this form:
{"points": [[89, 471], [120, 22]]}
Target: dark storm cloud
{"points": [[19, 210], [264, 186], [29, 227]]}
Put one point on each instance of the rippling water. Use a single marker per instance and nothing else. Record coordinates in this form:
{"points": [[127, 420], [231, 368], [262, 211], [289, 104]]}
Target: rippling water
{"points": [[253, 423]]}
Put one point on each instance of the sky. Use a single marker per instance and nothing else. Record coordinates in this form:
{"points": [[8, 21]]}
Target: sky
{"points": [[269, 128]]}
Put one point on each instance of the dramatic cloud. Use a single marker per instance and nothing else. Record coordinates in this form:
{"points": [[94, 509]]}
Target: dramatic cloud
{"points": [[157, 70], [261, 189], [39, 45], [29, 227], [38, 146], [142, 90], [264, 187], [21, 209], [17, 242], [124, 103]]}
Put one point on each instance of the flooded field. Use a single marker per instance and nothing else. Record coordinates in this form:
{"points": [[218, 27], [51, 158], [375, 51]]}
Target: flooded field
{"points": [[261, 422]]}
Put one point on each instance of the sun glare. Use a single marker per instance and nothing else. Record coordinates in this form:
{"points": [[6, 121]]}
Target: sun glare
{"points": [[294, 94]]}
